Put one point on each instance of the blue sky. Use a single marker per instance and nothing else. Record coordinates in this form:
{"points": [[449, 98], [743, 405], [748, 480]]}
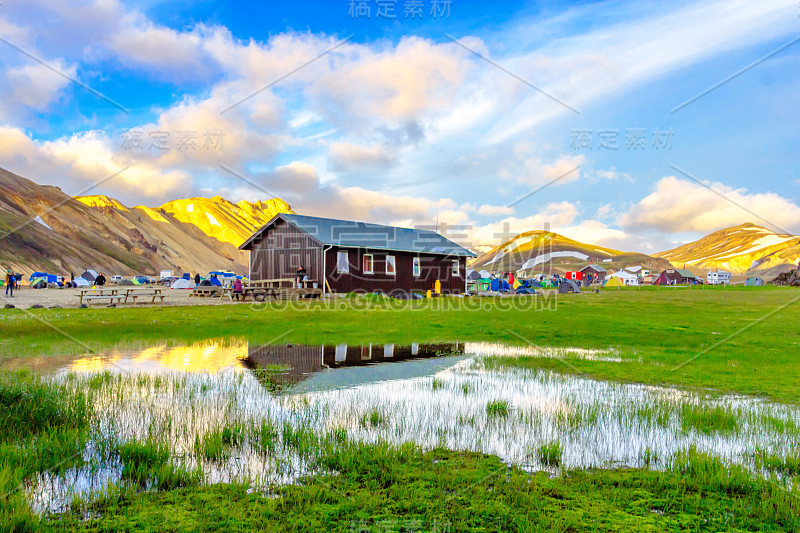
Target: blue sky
{"points": [[391, 120]]}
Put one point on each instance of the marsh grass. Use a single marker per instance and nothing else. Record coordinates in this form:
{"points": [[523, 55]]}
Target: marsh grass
{"points": [[179, 430], [788, 465], [498, 409], [709, 419], [550, 454], [373, 419]]}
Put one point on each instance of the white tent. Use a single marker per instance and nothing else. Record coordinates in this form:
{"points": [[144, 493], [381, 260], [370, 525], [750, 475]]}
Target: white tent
{"points": [[485, 274], [80, 282], [626, 277], [182, 284]]}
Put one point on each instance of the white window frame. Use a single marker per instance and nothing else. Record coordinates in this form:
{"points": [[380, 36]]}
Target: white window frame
{"points": [[346, 269], [416, 267], [456, 270], [390, 260], [371, 264]]}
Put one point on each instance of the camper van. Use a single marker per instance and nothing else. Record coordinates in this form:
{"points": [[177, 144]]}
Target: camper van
{"points": [[718, 277], [165, 274]]}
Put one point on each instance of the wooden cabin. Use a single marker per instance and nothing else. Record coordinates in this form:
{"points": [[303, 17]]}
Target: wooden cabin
{"points": [[347, 256], [594, 270]]}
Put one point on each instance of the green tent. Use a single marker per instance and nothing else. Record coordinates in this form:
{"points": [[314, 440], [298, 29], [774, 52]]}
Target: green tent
{"points": [[755, 281]]}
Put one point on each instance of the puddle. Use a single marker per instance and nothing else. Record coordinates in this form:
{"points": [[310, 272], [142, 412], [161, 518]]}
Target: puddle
{"points": [[434, 395]]}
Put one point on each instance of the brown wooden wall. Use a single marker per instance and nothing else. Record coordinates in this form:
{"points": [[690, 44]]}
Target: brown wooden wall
{"points": [[433, 267], [282, 250]]}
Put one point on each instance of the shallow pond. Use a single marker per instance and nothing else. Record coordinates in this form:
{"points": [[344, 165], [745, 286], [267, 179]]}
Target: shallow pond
{"points": [[435, 395]]}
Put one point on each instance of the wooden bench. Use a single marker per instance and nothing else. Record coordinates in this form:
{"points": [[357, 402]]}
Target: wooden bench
{"points": [[152, 295], [109, 297], [205, 292]]}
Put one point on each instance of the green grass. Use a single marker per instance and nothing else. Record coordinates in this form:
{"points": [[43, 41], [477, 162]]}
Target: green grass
{"points": [[709, 420], [550, 454], [373, 419], [379, 486], [497, 409], [664, 336]]}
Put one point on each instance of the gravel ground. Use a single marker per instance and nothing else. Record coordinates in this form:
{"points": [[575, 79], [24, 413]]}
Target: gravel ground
{"points": [[25, 297]]}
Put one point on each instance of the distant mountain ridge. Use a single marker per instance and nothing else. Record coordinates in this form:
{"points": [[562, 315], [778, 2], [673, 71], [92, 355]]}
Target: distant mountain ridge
{"points": [[71, 234], [744, 249], [543, 251]]}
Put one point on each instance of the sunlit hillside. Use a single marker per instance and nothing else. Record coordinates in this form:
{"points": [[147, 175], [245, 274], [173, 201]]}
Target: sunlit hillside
{"points": [[743, 249]]}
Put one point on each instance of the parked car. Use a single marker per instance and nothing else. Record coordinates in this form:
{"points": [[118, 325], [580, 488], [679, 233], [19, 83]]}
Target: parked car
{"points": [[116, 280]]}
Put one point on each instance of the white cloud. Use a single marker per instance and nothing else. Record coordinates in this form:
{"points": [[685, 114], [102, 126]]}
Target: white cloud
{"points": [[679, 205], [346, 157]]}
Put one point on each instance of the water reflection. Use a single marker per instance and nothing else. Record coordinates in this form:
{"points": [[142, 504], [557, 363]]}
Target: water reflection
{"points": [[303, 368]]}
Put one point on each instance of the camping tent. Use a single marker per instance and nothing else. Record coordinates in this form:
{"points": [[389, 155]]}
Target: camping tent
{"points": [[754, 282], [568, 285], [614, 281], [473, 276], [49, 278], [215, 281], [126, 282], [485, 274], [483, 284], [182, 284], [80, 282], [89, 275], [498, 284], [626, 277]]}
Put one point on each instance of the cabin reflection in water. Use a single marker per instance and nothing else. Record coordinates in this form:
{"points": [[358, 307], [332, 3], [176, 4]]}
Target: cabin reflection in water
{"points": [[280, 366]]}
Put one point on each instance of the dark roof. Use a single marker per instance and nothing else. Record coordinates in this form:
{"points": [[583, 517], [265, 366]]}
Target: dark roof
{"points": [[351, 234], [685, 273], [595, 267]]}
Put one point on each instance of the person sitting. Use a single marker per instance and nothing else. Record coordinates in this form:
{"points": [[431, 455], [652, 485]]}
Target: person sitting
{"points": [[300, 276], [100, 280], [237, 287]]}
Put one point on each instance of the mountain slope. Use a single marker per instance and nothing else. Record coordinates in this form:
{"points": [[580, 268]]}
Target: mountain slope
{"points": [[99, 232], [543, 251], [743, 249]]}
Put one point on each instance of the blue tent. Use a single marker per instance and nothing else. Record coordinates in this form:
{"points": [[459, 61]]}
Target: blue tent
{"points": [[186, 275], [215, 281], [499, 285], [49, 278]]}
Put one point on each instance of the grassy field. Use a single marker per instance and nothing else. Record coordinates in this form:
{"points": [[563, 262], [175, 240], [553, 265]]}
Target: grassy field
{"points": [[742, 340]]}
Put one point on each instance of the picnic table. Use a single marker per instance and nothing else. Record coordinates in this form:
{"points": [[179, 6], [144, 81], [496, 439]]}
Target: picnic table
{"points": [[260, 293], [204, 291], [119, 294]]}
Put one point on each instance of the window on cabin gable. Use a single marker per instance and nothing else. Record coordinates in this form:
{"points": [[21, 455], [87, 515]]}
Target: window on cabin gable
{"points": [[342, 262]]}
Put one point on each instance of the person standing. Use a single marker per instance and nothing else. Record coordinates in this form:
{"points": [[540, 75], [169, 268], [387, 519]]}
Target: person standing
{"points": [[100, 280], [197, 279], [11, 281]]}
